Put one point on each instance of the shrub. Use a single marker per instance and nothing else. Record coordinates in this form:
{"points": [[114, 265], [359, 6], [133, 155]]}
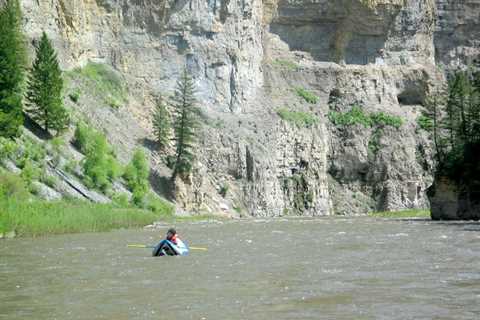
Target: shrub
{"points": [[12, 187], [299, 118], [158, 205], [8, 148], [100, 165], [105, 81], [374, 142], [34, 151], [136, 175], [223, 190], [354, 116], [48, 180], [121, 199], [425, 123], [96, 166], [307, 95], [30, 172], [81, 136], [71, 166], [75, 95], [113, 102], [383, 119], [287, 64]]}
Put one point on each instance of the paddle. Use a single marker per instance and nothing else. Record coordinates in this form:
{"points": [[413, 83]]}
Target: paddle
{"points": [[151, 247]]}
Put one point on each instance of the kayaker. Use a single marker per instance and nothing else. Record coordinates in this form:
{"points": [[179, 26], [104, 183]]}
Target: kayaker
{"points": [[172, 245]]}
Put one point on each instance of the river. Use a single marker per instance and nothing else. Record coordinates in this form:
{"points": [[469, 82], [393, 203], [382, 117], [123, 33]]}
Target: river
{"points": [[326, 268]]}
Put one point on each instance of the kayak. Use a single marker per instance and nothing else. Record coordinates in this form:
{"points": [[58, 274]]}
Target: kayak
{"points": [[168, 248]]}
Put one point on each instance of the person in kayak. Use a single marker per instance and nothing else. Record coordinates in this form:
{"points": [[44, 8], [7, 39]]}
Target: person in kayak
{"points": [[172, 245]]}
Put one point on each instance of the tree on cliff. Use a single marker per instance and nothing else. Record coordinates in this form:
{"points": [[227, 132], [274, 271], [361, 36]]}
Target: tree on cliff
{"points": [[45, 85], [456, 117], [12, 67], [161, 124], [185, 125]]}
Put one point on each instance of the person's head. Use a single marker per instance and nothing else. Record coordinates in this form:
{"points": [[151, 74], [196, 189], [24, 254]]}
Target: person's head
{"points": [[171, 233]]}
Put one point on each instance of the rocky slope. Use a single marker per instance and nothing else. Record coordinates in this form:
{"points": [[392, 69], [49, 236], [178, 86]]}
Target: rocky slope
{"points": [[249, 59]]}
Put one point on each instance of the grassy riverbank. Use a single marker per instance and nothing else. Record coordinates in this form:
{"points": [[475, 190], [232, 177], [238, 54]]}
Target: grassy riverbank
{"points": [[402, 214], [34, 218]]}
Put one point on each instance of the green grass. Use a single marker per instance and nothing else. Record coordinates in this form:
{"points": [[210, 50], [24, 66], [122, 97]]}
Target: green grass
{"points": [[75, 95], [415, 213], [299, 118], [104, 80], [199, 217], [425, 123], [356, 115], [307, 95], [286, 64], [40, 217]]}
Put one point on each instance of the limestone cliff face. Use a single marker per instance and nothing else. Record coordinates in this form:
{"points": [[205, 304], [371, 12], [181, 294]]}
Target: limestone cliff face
{"points": [[247, 58]]}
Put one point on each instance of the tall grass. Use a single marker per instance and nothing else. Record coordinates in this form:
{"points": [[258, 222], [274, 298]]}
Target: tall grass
{"points": [[299, 118], [104, 80], [356, 115], [414, 213], [39, 217], [286, 64], [307, 95]]}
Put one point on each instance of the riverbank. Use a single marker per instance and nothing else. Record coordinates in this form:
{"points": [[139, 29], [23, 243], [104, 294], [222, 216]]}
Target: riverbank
{"points": [[36, 218], [401, 214]]}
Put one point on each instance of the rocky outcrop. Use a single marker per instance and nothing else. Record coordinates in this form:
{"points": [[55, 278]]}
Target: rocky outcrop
{"points": [[457, 32], [249, 59]]}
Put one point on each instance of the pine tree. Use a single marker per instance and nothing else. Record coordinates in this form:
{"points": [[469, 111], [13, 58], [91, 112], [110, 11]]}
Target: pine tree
{"points": [[12, 67], [161, 124], [433, 105], [186, 121], [475, 108], [45, 85]]}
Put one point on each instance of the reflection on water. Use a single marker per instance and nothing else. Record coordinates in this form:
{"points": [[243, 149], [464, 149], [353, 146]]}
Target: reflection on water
{"points": [[330, 268]]}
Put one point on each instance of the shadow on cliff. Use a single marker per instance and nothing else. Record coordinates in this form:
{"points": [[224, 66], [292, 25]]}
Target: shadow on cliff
{"points": [[150, 144], [159, 179], [162, 185], [35, 128]]}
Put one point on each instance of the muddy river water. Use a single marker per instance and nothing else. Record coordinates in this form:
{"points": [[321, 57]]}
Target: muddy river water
{"points": [[327, 268]]}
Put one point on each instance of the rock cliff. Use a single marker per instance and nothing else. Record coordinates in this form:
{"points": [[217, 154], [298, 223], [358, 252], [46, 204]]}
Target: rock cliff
{"points": [[250, 59]]}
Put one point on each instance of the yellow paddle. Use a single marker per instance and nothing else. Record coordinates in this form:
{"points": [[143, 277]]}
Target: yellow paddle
{"points": [[145, 246]]}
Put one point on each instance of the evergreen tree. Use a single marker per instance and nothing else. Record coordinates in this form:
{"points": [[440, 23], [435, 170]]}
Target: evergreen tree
{"points": [[45, 85], [161, 124], [474, 116], [186, 121], [12, 65], [433, 105], [456, 124]]}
